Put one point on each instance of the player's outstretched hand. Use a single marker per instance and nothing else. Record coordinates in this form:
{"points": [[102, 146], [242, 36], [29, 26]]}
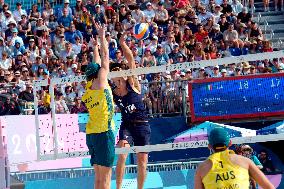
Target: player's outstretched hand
{"points": [[122, 37], [100, 29]]}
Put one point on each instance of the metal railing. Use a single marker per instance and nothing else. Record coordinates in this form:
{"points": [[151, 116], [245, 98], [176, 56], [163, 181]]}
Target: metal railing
{"points": [[165, 97], [165, 101], [268, 32], [87, 172]]}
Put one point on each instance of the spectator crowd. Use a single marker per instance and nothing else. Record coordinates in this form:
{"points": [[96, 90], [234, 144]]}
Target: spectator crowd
{"points": [[57, 41], [262, 160]]}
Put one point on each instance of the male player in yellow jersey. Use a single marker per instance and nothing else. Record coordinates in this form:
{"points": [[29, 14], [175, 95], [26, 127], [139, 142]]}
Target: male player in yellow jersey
{"points": [[226, 170], [99, 101]]}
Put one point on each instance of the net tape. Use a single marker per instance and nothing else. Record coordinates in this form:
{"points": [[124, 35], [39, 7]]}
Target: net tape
{"points": [[174, 146], [171, 67]]}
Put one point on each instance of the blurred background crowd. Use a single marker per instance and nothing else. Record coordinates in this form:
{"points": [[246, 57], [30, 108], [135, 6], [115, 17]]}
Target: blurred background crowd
{"points": [[47, 42]]}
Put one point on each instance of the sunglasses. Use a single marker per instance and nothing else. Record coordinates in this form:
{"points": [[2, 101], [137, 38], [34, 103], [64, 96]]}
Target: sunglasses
{"points": [[116, 69], [247, 150]]}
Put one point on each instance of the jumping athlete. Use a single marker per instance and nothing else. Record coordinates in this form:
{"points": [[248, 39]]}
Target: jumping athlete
{"points": [[99, 101], [134, 128], [224, 169]]}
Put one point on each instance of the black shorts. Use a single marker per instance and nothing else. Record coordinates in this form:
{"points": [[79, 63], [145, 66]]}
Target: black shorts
{"points": [[137, 134]]}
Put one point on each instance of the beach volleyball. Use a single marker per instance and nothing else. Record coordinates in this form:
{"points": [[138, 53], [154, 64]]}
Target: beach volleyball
{"points": [[141, 31]]}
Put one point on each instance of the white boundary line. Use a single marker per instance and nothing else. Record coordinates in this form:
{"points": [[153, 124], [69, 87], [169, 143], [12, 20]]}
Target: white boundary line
{"points": [[139, 71], [174, 146]]}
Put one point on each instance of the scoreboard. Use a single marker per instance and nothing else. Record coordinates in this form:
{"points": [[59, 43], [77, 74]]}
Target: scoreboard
{"points": [[237, 97]]}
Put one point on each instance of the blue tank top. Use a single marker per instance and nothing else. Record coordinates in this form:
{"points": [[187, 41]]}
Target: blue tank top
{"points": [[131, 105]]}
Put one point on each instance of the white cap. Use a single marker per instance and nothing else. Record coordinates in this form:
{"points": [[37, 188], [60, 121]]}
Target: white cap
{"points": [[8, 11], [168, 73], [223, 71], [66, 1], [25, 69], [261, 65], [74, 66], [216, 26], [182, 74], [148, 4], [168, 76]]}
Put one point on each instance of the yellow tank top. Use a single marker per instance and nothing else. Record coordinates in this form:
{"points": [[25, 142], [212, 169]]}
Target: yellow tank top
{"points": [[224, 174], [101, 109]]}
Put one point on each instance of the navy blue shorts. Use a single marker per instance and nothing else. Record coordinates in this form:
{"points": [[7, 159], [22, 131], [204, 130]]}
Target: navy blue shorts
{"points": [[137, 134]]}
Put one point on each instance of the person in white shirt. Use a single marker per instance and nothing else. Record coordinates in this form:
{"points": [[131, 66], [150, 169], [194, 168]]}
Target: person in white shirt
{"points": [[15, 38], [104, 6], [138, 15], [216, 72], [169, 44], [230, 35], [19, 12], [237, 7], [8, 19], [65, 6], [19, 83], [204, 15], [77, 46], [149, 13], [67, 52], [128, 22], [231, 69], [5, 61], [161, 14], [217, 13], [223, 73], [153, 44]]}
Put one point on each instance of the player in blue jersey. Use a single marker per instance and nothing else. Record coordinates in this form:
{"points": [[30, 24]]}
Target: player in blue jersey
{"points": [[134, 128]]}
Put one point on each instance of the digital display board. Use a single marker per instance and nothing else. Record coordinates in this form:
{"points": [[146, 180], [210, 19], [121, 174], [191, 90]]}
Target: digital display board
{"points": [[237, 97]]}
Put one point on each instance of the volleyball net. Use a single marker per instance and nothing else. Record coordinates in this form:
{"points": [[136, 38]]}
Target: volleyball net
{"points": [[56, 151]]}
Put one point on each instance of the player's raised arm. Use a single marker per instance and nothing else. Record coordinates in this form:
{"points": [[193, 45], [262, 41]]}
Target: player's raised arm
{"points": [[133, 80], [126, 51], [104, 54], [97, 58]]}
